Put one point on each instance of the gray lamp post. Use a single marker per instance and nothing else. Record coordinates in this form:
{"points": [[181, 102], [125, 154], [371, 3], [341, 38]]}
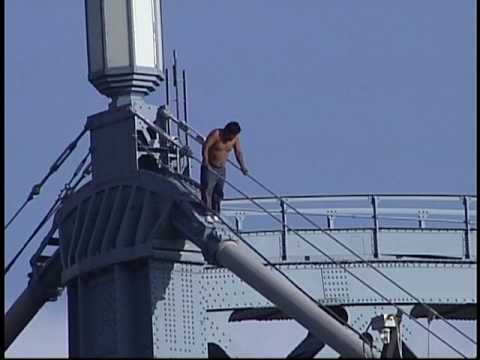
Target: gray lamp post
{"points": [[124, 43], [125, 63]]}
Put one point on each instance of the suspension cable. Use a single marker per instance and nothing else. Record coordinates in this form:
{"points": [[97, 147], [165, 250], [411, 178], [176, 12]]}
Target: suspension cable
{"points": [[68, 187], [50, 212], [161, 132], [53, 209], [53, 168], [198, 137]]}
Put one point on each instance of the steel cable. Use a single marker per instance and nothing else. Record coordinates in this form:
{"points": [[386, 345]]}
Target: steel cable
{"points": [[53, 209], [53, 168], [199, 138], [161, 132]]}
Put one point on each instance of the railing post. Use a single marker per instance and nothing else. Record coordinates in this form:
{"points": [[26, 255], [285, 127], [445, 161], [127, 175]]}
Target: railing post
{"points": [[422, 216], [374, 202], [467, 226], [283, 248], [239, 217], [330, 218]]}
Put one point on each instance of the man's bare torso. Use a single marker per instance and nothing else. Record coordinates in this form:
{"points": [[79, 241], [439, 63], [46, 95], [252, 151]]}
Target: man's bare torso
{"points": [[220, 149]]}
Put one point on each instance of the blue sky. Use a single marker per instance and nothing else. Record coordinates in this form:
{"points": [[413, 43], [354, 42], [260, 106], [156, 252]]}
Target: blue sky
{"points": [[334, 97]]}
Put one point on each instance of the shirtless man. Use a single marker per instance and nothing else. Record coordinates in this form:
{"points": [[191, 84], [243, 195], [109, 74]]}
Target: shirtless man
{"points": [[215, 151]]}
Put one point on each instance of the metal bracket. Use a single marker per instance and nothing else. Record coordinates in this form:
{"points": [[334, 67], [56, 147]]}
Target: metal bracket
{"points": [[239, 218], [189, 218], [331, 214], [388, 325], [422, 216]]}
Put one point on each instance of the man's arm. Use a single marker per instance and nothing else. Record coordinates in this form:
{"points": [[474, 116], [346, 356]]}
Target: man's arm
{"points": [[209, 141], [239, 156]]}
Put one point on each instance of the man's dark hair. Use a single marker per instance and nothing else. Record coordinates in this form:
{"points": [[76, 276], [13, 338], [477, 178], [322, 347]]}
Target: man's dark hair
{"points": [[233, 128]]}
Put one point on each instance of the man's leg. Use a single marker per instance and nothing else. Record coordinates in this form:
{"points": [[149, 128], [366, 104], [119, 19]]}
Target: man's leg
{"points": [[206, 198], [218, 190], [206, 186], [209, 180], [216, 201]]}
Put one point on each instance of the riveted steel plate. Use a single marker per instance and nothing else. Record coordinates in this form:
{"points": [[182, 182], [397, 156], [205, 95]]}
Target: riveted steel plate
{"points": [[178, 311], [431, 242], [332, 285]]}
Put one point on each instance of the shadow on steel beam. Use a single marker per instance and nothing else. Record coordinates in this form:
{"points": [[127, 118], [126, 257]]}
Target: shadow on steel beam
{"points": [[216, 352]]}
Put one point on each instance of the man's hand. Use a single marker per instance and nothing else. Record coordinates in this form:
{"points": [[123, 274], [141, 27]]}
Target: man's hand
{"points": [[244, 171]]}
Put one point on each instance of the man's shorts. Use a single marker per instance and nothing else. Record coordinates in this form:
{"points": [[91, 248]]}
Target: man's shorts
{"points": [[212, 181]]}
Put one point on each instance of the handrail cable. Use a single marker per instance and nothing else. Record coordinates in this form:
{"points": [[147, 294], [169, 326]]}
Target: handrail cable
{"points": [[349, 197], [358, 216], [53, 168], [161, 132], [53, 209], [198, 136]]}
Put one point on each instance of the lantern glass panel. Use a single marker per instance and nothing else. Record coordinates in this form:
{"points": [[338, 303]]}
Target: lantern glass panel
{"points": [[94, 34], [116, 33], [158, 36], [143, 30]]}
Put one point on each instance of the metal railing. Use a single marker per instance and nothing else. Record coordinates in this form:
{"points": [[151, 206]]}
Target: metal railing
{"points": [[375, 212], [277, 198]]}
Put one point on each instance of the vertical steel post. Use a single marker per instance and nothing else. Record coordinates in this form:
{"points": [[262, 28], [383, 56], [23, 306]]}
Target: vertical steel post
{"points": [[239, 217], [237, 224], [330, 219], [175, 85], [283, 248], [329, 222], [185, 117], [167, 101], [177, 105], [167, 94], [374, 202], [466, 204], [422, 216]]}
